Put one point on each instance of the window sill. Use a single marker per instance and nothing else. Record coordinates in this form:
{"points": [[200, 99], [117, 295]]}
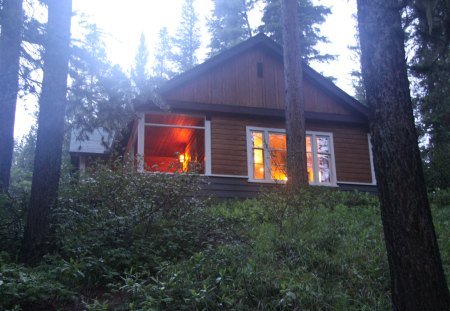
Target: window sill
{"points": [[282, 182]]}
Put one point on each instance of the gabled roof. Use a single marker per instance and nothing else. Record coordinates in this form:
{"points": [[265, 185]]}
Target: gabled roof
{"points": [[265, 43]]}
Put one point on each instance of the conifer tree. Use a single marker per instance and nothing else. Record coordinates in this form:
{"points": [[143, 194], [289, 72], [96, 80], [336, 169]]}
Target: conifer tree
{"points": [[187, 39], [417, 278], [100, 94], [162, 69], [310, 16], [52, 105], [11, 21], [294, 99], [431, 68], [229, 24], [139, 73]]}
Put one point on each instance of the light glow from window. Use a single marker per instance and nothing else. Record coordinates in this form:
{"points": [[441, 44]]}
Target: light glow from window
{"points": [[269, 156]]}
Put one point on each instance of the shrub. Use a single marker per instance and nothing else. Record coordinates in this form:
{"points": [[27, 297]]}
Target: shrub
{"points": [[112, 219], [11, 223], [323, 256]]}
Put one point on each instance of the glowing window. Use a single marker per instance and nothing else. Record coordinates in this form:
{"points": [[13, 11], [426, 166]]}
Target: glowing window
{"points": [[268, 156], [174, 142]]}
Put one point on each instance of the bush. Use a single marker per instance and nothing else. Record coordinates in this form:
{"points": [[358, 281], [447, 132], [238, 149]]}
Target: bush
{"points": [[112, 219], [26, 288], [440, 198], [310, 251], [11, 223]]}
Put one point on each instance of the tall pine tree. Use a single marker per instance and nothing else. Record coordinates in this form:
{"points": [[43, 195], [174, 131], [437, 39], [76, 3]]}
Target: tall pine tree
{"points": [[162, 69], [139, 74], [229, 24], [417, 278], [187, 39], [431, 68], [10, 41], [294, 99], [309, 18], [99, 94], [52, 105]]}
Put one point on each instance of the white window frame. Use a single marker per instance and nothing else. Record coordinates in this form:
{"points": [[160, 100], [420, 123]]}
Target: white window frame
{"points": [[141, 140], [268, 179]]}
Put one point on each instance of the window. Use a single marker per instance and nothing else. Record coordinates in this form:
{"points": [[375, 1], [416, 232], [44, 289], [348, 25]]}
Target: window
{"points": [[267, 156], [173, 142]]}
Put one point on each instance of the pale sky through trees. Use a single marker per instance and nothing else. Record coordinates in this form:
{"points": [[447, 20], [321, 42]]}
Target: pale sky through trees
{"points": [[123, 21]]}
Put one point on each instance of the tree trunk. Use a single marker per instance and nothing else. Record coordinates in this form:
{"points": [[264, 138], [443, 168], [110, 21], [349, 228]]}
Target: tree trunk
{"points": [[294, 100], [52, 103], [417, 278], [10, 40]]}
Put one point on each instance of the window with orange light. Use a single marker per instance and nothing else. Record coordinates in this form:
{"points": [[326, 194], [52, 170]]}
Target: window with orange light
{"points": [[268, 156], [174, 142]]}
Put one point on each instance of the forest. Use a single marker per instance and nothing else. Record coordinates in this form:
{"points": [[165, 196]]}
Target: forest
{"points": [[114, 239]]}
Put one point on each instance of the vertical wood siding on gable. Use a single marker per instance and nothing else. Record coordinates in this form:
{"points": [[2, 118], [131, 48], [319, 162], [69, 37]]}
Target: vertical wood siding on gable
{"points": [[236, 83], [229, 147]]}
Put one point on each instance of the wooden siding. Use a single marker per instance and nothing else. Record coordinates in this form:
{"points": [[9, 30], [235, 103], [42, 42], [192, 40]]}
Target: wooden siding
{"points": [[223, 188], [236, 83], [229, 146]]}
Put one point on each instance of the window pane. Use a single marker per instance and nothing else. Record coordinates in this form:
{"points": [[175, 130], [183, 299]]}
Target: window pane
{"points": [[309, 161], [164, 145], [278, 164], [277, 141], [324, 168], [258, 164], [308, 144], [258, 156], [323, 144], [257, 139]]}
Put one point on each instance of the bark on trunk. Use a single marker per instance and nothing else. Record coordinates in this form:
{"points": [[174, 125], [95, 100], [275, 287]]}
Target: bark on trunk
{"points": [[417, 278], [52, 103], [294, 100], [10, 40]]}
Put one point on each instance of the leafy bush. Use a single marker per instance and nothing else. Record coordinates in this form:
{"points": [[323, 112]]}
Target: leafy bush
{"points": [[440, 198], [127, 241], [319, 254], [11, 223], [30, 288], [120, 219]]}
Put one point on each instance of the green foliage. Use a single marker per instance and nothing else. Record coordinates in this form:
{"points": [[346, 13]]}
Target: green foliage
{"points": [[127, 241], [310, 16], [11, 223], [22, 287], [124, 219], [162, 67], [430, 66], [326, 255], [440, 198], [229, 24], [22, 166], [100, 94], [187, 38], [139, 73]]}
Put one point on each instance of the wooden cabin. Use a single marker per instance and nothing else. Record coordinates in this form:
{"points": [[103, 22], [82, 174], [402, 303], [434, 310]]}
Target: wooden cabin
{"points": [[226, 116]]}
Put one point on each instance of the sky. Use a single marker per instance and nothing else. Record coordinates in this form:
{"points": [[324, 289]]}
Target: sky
{"points": [[122, 23]]}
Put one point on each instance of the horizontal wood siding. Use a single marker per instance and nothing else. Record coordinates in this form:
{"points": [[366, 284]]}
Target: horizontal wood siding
{"points": [[236, 83], [223, 188], [351, 150], [229, 147]]}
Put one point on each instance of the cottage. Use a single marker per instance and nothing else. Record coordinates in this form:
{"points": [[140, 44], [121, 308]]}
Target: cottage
{"points": [[226, 116]]}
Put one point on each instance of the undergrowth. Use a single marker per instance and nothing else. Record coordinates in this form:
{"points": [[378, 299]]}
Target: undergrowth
{"points": [[126, 241]]}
